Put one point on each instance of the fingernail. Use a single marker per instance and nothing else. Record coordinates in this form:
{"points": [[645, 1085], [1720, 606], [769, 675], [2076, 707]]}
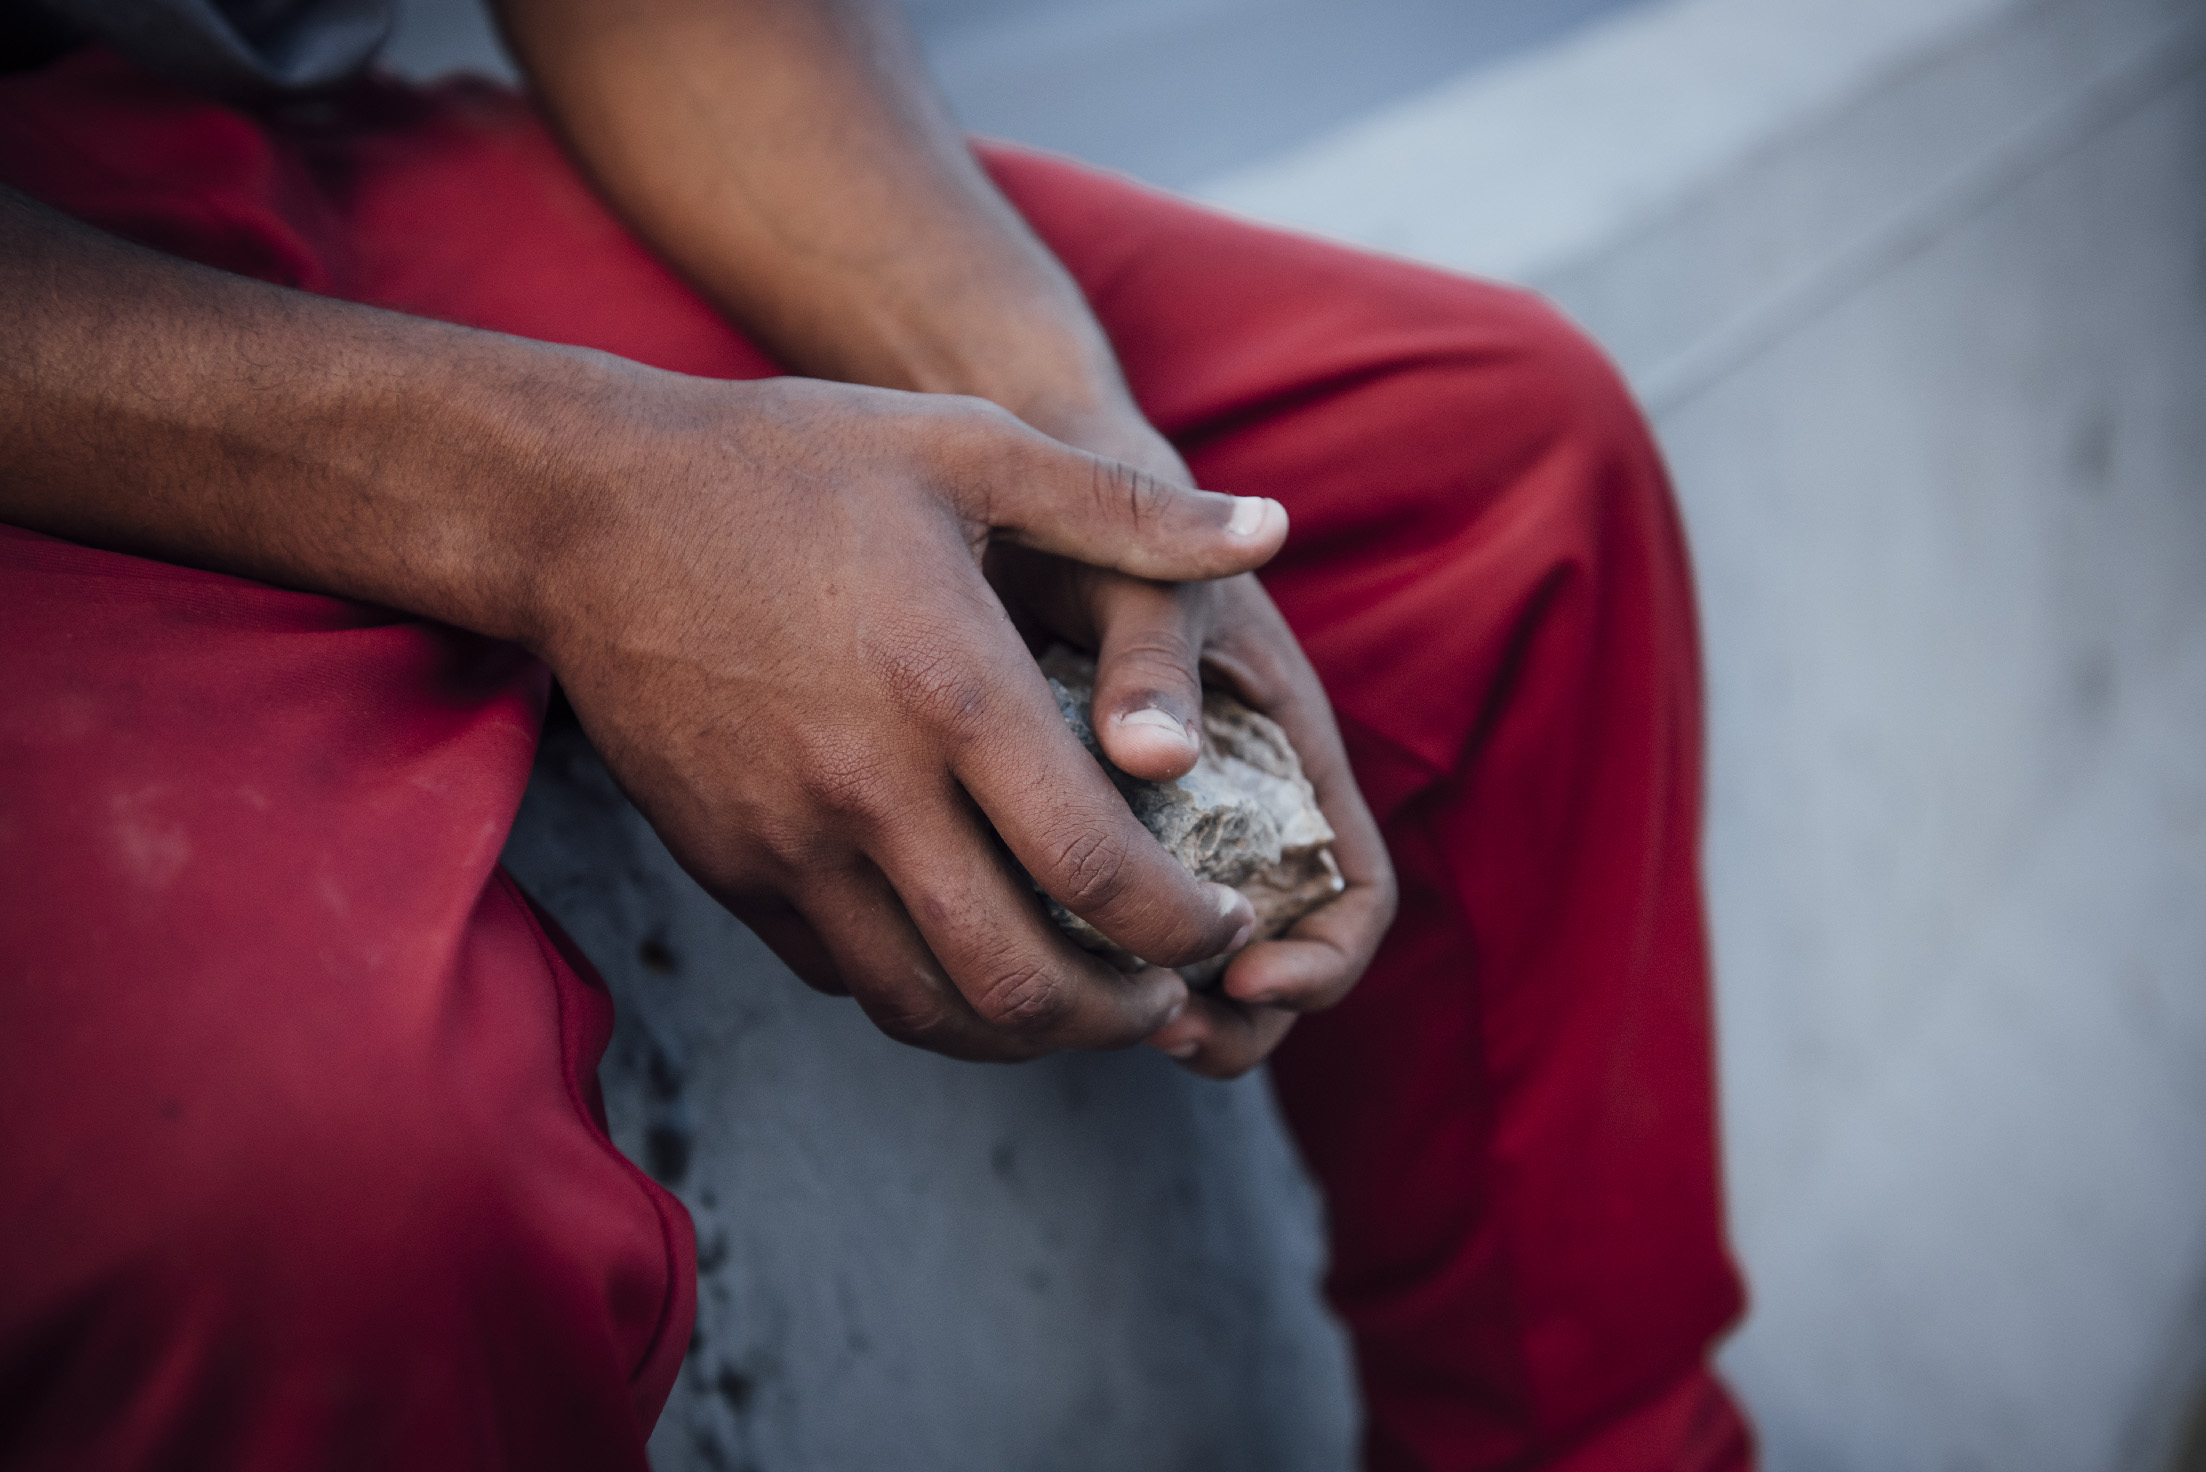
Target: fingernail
{"points": [[1249, 516], [1181, 1052], [1173, 1015], [1161, 720], [1241, 936], [1228, 898]]}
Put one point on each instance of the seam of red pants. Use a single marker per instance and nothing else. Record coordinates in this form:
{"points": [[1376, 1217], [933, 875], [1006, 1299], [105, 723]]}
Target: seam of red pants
{"points": [[552, 963]]}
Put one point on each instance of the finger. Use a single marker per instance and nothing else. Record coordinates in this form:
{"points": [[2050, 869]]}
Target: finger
{"points": [[1322, 955], [1222, 1039], [1056, 499], [895, 977], [1061, 817], [1148, 689], [1016, 972]]}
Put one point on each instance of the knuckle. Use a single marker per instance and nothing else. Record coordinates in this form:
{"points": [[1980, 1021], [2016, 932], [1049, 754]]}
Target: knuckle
{"points": [[1123, 493], [845, 782], [1023, 998], [790, 845], [971, 439], [933, 684], [1090, 868]]}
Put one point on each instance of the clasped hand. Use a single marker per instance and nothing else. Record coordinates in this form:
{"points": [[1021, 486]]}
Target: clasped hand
{"points": [[797, 625]]}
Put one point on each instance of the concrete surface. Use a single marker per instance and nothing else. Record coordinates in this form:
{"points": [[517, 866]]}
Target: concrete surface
{"points": [[1174, 91], [1915, 291]]}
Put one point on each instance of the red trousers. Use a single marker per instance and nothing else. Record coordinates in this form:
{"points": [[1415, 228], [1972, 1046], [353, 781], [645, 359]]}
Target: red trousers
{"points": [[302, 1162]]}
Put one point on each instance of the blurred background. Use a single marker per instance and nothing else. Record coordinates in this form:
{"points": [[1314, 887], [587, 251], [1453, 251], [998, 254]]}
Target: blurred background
{"points": [[1915, 291]]}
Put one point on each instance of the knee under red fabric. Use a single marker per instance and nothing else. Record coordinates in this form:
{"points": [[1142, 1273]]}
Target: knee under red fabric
{"points": [[336, 1181]]}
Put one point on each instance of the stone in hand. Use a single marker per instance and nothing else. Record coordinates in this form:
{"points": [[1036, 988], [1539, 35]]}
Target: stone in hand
{"points": [[1245, 816]]}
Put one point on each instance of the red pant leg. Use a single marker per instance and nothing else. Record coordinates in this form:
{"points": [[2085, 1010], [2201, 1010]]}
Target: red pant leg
{"points": [[301, 1167], [301, 1157], [1512, 1116]]}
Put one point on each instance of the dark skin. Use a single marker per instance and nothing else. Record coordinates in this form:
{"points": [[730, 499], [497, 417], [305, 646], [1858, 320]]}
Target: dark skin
{"points": [[789, 613]]}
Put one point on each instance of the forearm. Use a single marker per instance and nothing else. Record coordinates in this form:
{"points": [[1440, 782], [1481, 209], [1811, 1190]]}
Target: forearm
{"points": [[155, 406], [793, 159]]}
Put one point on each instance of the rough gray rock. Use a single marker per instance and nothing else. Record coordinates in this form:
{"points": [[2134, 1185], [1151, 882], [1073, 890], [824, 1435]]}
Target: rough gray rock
{"points": [[1245, 816]]}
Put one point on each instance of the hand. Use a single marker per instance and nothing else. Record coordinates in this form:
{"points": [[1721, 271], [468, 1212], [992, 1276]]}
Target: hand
{"points": [[778, 634], [829, 204], [1153, 641]]}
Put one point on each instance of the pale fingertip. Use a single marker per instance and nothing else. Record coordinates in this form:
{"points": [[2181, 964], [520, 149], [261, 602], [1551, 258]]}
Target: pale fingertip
{"points": [[1153, 722], [1150, 715], [1152, 744], [1254, 517], [1233, 904], [1181, 1052]]}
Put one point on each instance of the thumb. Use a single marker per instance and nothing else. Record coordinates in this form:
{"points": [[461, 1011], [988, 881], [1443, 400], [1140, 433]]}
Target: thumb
{"points": [[1108, 514]]}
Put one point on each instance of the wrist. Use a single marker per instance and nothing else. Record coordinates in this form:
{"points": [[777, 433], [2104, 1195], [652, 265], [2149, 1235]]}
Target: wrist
{"points": [[623, 475], [579, 491]]}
